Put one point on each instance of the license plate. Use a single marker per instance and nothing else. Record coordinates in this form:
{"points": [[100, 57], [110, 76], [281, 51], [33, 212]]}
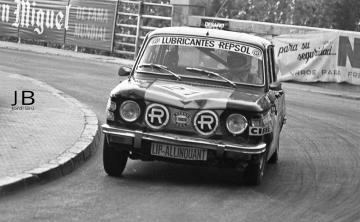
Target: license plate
{"points": [[178, 152]]}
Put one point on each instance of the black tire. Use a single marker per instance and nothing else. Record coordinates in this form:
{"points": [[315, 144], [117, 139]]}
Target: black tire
{"points": [[114, 161], [254, 172], [274, 157]]}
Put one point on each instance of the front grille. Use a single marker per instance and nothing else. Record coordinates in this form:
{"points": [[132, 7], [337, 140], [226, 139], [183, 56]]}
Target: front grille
{"points": [[175, 116]]}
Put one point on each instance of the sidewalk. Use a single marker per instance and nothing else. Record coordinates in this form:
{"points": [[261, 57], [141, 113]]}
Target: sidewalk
{"points": [[43, 140]]}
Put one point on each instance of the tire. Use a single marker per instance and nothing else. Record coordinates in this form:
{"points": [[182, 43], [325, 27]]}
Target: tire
{"points": [[274, 157], [114, 161], [254, 172]]}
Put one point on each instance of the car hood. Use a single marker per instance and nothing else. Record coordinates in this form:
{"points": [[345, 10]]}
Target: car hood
{"points": [[193, 96]]}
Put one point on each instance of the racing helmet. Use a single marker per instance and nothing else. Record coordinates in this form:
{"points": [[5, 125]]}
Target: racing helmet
{"points": [[172, 58]]}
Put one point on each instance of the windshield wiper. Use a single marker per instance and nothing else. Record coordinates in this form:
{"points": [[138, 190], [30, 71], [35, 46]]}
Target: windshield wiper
{"points": [[210, 73], [161, 67]]}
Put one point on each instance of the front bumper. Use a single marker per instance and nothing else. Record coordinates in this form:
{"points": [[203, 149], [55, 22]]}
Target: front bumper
{"points": [[135, 138]]}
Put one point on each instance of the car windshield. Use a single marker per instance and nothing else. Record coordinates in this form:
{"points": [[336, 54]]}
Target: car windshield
{"points": [[196, 57]]}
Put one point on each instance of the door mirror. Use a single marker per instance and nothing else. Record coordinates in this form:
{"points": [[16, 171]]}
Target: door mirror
{"points": [[124, 71], [275, 86]]}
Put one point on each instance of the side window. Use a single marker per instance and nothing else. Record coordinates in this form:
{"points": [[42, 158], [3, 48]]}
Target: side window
{"points": [[268, 68], [271, 64]]}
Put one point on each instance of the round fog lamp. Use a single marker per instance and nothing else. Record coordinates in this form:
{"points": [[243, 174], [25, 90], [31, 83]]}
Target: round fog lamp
{"points": [[129, 111], [236, 124]]}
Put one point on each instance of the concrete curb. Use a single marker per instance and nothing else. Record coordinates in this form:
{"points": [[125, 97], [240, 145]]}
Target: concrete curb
{"points": [[333, 93], [66, 162]]}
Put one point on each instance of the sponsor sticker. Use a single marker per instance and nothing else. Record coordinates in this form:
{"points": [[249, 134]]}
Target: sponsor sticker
{"points": [[208, 43], [214, 24], [259, 131], [156, 116], [206, 122], [181, 119]]}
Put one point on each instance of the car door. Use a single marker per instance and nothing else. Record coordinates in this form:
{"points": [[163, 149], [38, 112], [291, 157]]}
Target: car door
{"points": [[280, 92], [278, 100]]}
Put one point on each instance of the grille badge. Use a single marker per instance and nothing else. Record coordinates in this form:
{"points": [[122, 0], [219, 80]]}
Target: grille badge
{"points": [[181, 119]]}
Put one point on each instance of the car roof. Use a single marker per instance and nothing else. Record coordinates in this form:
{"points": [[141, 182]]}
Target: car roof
{"points": [[214, 33]]}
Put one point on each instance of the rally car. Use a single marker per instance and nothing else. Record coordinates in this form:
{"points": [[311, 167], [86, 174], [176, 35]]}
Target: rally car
{"points": [[197, 96]]}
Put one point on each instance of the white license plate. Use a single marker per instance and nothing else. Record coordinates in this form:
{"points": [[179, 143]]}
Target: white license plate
{"points": [[178, 152]]}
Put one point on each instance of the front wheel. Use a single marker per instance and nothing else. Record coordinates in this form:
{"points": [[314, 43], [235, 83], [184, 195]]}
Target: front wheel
{"points": [[254, 172], [114, 161]]}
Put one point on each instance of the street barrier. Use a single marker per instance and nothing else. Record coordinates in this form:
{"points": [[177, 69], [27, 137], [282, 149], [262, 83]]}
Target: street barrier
{"points": [[42, 20], [319, 56], [307, 54], [9, 19], [91, 24]]}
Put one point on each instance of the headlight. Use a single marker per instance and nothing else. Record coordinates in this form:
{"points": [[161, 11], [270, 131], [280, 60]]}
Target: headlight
{"points": [[129, 111], [111, 106], [236, 123]]}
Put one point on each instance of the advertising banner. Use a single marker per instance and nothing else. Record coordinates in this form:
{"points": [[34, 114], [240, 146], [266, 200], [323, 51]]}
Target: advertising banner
{"points": [[91, 23], [325, 57], [9, 18], [43, 20]]}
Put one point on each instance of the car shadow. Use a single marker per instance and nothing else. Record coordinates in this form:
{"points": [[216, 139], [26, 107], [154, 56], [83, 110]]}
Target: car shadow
{"points": [[162, 173]]}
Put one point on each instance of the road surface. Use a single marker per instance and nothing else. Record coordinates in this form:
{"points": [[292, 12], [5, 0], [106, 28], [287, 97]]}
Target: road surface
{"points": [[317, 178]]}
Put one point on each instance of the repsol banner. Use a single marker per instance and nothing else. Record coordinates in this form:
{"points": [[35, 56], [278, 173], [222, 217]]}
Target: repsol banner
{"points": [[91, 23], [325, 57], [9, 18]]}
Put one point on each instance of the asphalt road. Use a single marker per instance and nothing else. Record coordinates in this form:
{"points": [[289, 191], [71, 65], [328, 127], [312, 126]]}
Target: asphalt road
{"points": [[317, 178]]}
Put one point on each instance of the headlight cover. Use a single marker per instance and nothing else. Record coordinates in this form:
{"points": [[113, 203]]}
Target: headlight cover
{"points": [[236, 123], [129, 111]]}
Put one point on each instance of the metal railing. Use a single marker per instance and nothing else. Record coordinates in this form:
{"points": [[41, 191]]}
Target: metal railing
{"points": [[134, 20]]}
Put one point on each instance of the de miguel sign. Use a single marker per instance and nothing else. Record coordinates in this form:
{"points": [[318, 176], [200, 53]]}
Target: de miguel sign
{"points": [[78, 22], [26, 14]]}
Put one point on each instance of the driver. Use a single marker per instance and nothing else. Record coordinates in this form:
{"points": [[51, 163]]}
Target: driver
{"points": [[239, 66], [172, 59]]}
